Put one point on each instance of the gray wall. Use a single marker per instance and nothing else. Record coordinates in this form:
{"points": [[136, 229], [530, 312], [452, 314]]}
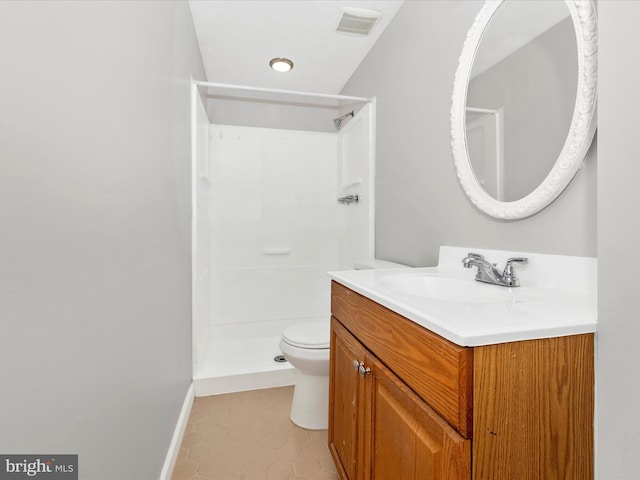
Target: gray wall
{"points": [[95, 270], [618, 232], [419, 203]]}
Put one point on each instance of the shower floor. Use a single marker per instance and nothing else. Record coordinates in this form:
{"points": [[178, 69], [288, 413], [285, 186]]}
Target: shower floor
{"points": [[242, 364]]}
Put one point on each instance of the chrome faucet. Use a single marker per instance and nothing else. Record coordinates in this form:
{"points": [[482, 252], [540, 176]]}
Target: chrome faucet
{"points": [[488, 273]]}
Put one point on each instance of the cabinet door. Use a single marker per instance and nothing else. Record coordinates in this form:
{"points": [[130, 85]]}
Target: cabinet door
{"points": [[346, 403], [407, 439]]}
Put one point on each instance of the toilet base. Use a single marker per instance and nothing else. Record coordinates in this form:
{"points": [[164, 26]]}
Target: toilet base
{"points": [[310, 405]]}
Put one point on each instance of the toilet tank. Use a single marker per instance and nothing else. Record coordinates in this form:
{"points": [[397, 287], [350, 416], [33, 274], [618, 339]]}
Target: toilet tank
{"points": [[375, 264]]}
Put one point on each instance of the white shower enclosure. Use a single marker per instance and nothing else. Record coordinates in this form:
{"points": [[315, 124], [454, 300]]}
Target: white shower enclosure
{"points": [[269, 169]]}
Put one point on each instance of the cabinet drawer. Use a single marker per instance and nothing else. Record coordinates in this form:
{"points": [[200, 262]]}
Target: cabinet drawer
{"points": [[440, 372]]}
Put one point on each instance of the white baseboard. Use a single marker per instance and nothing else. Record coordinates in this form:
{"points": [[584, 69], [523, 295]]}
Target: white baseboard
{"points": [[178, 433], [206, 385]]}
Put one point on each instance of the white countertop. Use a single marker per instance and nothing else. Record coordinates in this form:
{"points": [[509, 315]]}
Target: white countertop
{"points": [[557, 298]]}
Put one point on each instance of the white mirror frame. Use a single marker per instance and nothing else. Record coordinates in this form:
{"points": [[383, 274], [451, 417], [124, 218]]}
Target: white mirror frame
{"points": [[581, 131]]}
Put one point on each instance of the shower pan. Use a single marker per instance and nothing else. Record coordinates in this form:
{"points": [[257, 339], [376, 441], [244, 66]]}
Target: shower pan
{"points": [[271, 170]]}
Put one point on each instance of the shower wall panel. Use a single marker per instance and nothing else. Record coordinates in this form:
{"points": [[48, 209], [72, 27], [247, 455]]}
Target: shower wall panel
{"points": [[275, 227], [201, 267], [356, 177]]}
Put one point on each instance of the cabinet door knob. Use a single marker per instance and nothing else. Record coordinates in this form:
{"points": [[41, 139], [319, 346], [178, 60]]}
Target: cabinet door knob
{"points": [[363, 370], [356, 365]]}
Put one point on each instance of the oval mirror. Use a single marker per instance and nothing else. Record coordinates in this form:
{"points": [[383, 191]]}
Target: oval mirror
{"points": [[523, 104]]}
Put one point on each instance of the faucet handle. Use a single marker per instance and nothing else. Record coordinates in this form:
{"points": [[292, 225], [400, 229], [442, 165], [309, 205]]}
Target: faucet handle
{"points": [[475, 255], [509, 272]]}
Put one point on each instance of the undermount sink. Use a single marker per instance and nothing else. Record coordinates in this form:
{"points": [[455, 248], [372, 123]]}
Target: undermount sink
{"points": [[448, 289]]}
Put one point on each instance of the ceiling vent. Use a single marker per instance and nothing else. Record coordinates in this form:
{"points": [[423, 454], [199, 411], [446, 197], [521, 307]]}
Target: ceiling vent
{"points": [[357, 21]]}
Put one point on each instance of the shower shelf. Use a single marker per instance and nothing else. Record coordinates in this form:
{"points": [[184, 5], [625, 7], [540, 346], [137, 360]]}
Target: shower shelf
{"points": [[276, 251], [353, 183]]}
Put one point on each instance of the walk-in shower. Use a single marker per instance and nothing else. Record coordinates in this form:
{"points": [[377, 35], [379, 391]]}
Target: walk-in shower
{"points": [[270, 179]]}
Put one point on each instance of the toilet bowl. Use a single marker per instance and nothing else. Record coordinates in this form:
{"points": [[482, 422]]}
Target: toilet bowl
{"points": [[306, 347]]}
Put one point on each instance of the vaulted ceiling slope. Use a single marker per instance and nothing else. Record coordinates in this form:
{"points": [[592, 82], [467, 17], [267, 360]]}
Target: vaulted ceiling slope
{"points": [[238, 38]]}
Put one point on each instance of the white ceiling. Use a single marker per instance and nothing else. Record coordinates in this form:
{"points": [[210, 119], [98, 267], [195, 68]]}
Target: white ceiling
{"points": [[238, 38]]}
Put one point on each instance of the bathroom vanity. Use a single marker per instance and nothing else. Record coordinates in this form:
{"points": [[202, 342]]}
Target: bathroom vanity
{"points": [[434, 375], [511, 400]]}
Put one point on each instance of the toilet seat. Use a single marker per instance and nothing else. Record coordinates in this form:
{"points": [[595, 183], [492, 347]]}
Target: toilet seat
{"points": [[313, 335]]}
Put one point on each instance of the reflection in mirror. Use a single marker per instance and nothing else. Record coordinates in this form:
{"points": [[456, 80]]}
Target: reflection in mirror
{"points": [[523, 103], [521, 96]]}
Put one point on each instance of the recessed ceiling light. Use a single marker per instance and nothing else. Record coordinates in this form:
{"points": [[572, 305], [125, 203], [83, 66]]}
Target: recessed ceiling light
{"points": [[281, 64]]}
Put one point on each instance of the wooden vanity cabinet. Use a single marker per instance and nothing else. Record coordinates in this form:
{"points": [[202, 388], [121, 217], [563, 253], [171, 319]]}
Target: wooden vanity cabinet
{"points": [[407, 404], [379, 428]]}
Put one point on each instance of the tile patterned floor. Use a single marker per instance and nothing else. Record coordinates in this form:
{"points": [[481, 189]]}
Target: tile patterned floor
{"points": [[249, 436]]}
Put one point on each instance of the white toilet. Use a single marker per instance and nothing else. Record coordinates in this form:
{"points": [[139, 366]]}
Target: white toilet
{"points": [[306, 347]]}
